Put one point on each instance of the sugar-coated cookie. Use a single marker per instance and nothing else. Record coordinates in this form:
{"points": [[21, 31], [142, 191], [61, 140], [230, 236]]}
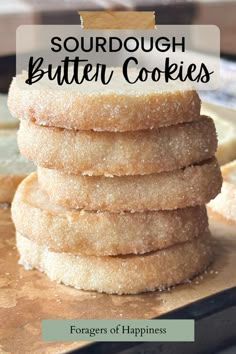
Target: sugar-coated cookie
{"points": [[100, 233], [119, 274], [106, 153]]}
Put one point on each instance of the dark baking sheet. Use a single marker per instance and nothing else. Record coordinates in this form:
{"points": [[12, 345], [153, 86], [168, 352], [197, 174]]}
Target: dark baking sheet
{"points": [[215, 329]]}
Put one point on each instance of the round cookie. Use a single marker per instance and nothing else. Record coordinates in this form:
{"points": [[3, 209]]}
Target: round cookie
{"points": [[6, 119], [116, 107], [100, 233], [225, 202], [224, 119], [13, 167], [122, 274], [193, 185], [131, 153]]}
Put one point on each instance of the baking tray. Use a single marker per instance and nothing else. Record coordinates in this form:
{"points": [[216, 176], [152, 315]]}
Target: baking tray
{"points": [[215, 330]]}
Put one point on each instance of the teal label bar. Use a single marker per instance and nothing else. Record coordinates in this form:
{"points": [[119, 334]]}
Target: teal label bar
{"points": [[118, 330]]}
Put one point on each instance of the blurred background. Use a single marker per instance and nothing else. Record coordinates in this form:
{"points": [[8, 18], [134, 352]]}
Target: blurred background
{"points": [[221, 13]]}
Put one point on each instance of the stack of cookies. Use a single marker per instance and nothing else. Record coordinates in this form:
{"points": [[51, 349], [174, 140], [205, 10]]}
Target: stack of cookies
{"points": [[118, 201]]}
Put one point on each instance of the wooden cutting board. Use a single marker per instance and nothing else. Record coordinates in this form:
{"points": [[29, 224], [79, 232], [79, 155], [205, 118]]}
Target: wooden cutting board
{"points": [[27, 297]]}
